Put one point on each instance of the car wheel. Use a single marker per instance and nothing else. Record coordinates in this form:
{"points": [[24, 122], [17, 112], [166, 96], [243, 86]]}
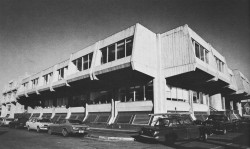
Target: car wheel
{"points": [[224, 131], [38, 129], [28, 127], [203, 137], [50, 131], [65, 132]]}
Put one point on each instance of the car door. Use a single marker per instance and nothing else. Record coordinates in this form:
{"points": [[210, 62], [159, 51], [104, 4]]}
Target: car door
{"points": [[32, 125], [179, 129]]}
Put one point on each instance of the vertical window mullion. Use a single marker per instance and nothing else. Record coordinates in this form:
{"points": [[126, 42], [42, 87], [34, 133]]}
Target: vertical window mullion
{"points": [[88, 61]]}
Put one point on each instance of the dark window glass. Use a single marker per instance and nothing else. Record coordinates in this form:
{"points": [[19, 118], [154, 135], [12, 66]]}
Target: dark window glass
{"points": [[124, 119], [91, 118], [120, 49], [79, 64], [141, 119], [90, 59], [202, 53], [103, 119], [85, 62], [111, 53], [104, 55], [197, 50], [129, 46]]}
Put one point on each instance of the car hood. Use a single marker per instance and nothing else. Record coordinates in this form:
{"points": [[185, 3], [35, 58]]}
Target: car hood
{"points": [[46, 123]]}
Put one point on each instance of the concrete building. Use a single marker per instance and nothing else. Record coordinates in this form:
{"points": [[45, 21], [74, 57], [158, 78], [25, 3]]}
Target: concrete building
{"points": [[119, 80]]}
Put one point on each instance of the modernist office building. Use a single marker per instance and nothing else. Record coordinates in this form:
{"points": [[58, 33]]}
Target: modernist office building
{"points": [[133, 73]]}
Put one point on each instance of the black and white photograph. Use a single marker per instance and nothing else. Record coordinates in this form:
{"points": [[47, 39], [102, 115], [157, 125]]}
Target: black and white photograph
{"points": [[124, 74]]}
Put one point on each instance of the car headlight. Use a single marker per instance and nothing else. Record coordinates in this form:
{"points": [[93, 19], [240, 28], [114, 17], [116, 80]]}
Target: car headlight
{"points": [[156, 133]]}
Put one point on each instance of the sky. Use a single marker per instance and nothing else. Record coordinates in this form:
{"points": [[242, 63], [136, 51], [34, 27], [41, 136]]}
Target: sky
{"points": [[36, 34]]}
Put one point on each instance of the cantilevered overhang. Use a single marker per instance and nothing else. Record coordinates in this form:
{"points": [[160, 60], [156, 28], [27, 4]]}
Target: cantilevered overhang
{"points": [[192, 80]]}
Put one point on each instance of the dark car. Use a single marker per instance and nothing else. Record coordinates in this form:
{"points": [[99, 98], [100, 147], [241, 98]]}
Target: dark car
{"points": [[172, 127], [68, 126], [18, 122], [221, 123]]}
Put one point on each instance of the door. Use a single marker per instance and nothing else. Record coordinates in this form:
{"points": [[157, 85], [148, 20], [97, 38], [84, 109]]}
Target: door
{"points": [[179, 129]]}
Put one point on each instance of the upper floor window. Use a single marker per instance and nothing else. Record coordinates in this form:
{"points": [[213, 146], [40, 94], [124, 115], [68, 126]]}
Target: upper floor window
{"points": [[61, 73], [34, 82], [47, 78], [220, 64], [83, 62], [117, 50], [26, 84], [201, 52]]}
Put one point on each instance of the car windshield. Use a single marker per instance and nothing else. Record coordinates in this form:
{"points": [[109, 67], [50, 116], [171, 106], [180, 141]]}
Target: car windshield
{"points": [[75, 122], [216, 117], [44, 120]]}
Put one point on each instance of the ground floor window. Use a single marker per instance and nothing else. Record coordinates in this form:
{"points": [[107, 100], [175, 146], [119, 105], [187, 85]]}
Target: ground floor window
{"points": [[63, 101], [101, 97], [141, 119], [200, 98], [176, 94], [136, 92]]}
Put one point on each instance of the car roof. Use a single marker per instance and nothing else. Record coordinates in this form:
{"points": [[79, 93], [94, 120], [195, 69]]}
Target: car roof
{"points": [[179, 113]]}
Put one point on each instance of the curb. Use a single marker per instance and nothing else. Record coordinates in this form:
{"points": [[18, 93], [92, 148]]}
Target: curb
{"points": [[112, 138]]}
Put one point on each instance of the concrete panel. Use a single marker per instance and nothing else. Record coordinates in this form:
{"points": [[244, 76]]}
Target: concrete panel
{"points": [[177, 105], [135, 106], [200, 107], [144, 54], [98, 108]]}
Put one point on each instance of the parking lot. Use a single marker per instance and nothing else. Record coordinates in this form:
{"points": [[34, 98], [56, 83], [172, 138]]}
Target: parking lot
{"points": [[22, 139]]}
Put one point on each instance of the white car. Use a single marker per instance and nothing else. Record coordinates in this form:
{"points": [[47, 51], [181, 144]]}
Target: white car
{"points": [[38, 124], [4, 121]]}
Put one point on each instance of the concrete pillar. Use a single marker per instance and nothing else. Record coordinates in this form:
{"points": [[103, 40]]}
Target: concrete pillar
{"points": [[159, 83], [239, 108], [191, 110], [231, 105]]}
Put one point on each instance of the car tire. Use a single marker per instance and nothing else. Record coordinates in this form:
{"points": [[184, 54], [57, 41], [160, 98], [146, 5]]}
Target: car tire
{"points": [[50, 131], [38, 129], [224, 131], [28, 128], [203, 137], [65, 132]]}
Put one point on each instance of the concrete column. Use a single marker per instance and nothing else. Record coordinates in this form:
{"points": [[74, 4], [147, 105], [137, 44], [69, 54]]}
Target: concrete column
{"points": [[231, 105], [159, 83], [191, 110], [239, 108]]}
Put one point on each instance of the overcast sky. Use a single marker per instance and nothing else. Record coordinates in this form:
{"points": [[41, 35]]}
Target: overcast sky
{"points": [[36, 34]]}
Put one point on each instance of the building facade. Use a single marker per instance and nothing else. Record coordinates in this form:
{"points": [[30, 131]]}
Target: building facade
{"points": [[119, 80]]}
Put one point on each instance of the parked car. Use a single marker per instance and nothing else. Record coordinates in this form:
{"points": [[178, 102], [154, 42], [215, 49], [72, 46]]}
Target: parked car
{"points": [[68, 126], [221, 123], [168, 128], [18, 122], [38, 124], [5, 121]]}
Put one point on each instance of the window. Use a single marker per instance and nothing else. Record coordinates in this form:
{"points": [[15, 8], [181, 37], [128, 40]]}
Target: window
{"points": [[136, 93], [9, 107], [111, 53], [117, 50], [201, 52], [84, 62], [129, 46], [34, 83], [104, 55], [141, 119], [25, 85], [220, 64], [47, 78], [176, 94], [62, 102], [48, 103], [61, 73], [121, 49]]}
